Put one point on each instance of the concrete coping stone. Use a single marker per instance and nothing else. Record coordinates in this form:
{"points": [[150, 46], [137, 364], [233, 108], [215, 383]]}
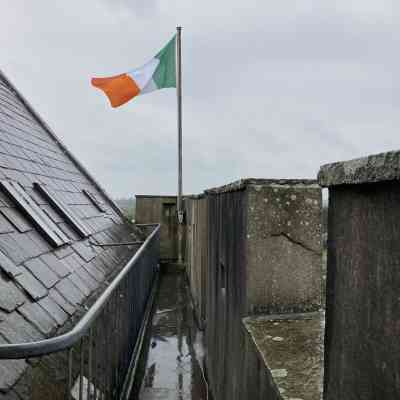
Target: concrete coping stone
{"points": [[291, 348], [242, 184], [155, 196], [374, 168]]}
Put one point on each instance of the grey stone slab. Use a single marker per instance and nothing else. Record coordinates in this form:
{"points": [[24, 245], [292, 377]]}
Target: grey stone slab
{"points": [[87, 279], [374, 168], [38, 317], [16, 329], [8, 266], [10, 296], [5, 226], [16, 219], [95, 272], [56, 265], [61, 301], [10, 372], [243, 183], [31, 285], [73, 261], [42, 272], [79, 283], [84, 251], [70, 292], [53, 309], [291, 348], [63, 252]]}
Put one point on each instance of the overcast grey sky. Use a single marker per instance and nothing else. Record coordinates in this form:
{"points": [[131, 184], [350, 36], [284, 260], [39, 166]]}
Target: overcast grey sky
{"points": [[272, 89]]}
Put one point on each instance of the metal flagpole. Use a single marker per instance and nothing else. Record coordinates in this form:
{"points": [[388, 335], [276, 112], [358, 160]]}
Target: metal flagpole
{"points": [[179, 104]]}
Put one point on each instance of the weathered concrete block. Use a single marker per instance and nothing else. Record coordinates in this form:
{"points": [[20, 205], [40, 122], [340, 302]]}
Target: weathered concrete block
{"points": [[162, 210], [363, 310], [283, 247], [284, 357]]}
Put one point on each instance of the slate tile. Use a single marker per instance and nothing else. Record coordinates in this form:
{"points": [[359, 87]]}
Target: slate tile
{"points": [[61, 301], [42, 272], [63, 251], [5, 225], [38, 317], [10, 372], [84, 251], [52, 214], [53, 309], [8, 266], [16, 329], [95, 272], [56, 265], [70, 292], [73, 261], [41, 243], [79, 283], [69, 231], [31, 285], [90, 282], [10, 296]]}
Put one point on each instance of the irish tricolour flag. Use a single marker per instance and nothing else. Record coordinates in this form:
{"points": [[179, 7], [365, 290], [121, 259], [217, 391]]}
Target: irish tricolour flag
{"points": [[158, 73]]}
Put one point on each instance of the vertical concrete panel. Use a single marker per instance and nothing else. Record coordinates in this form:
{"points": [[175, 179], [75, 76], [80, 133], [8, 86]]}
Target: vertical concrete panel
{"points": [[363, 309], [162, 210], [362, 344], [284, 253]]}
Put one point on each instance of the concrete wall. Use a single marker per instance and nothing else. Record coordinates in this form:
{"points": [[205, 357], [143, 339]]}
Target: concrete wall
{"points": [[362, 344], [283, 247], [160, 209], [196, 257], [260, 251]]}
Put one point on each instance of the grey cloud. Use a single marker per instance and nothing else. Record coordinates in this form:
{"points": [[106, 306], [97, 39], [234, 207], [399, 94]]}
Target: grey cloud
{"points": [[270, 89]]}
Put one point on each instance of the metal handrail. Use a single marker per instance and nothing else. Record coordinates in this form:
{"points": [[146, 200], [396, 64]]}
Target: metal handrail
{"points": [[67, 340]]}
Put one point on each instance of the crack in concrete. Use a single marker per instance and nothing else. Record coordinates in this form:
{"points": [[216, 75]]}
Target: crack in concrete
{"points": [[285, 235]]}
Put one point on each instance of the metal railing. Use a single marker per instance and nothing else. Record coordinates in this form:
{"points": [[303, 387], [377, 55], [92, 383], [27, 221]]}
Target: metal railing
{"points": [[94, 359]]}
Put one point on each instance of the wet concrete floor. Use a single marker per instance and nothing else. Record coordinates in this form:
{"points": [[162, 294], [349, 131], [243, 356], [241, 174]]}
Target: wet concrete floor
{"points": [[173, 368]]}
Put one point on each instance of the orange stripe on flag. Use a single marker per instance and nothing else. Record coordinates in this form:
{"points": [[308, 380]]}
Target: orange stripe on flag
{"points": [[119, 89]]}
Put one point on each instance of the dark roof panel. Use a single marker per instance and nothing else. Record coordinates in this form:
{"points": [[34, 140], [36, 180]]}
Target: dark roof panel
{"points": [[42, 272], [11, 296], [53, 309], [56, 265], [16, 219], [8, 266], [70, 292], [68, 307], [38, 317], [63, 210], [31, 285], [32, 211]]}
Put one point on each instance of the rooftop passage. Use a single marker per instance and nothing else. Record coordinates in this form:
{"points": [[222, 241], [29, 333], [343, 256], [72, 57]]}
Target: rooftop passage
{"points": [[174, 368]]}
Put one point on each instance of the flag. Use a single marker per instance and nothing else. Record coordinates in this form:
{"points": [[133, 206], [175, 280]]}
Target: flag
{"points": [[158, 73]]}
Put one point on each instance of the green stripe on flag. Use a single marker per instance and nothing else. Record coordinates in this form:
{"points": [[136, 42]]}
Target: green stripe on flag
{"points": [[165, 74]]}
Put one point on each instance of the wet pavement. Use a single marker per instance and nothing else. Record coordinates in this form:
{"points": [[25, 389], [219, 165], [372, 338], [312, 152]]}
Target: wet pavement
{"points": [[173, 368]]}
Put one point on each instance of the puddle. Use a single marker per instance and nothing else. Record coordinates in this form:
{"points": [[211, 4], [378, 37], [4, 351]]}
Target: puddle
{"points": [[173, 368]]}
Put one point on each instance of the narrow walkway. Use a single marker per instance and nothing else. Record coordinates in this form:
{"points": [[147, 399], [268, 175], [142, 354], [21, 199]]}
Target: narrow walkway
{"points": [[173, 369]]}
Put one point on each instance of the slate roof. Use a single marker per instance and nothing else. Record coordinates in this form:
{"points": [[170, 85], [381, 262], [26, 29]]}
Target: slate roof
{"points": [[42, 286]]}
